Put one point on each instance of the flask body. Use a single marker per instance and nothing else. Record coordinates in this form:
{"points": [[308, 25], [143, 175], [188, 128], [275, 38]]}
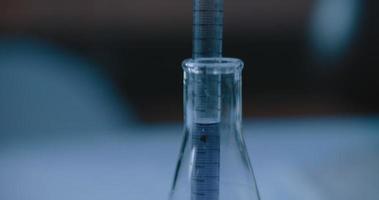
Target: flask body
{"points": [[213, 162]]}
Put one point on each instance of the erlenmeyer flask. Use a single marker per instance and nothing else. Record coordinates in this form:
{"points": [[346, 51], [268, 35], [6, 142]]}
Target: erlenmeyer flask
{"points": [[213, 162]]}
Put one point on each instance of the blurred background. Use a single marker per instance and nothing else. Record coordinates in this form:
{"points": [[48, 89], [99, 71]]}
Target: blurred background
{"points": [[89, 89]]}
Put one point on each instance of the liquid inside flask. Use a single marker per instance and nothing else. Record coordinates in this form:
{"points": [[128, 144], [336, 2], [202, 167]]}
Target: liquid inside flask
{"points": [[213, 161]]}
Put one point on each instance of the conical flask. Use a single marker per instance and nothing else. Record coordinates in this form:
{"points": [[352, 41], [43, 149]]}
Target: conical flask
{"points": [[213, 161]]}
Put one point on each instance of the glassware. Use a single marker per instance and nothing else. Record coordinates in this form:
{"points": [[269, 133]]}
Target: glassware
{"points": [[213, 162]]}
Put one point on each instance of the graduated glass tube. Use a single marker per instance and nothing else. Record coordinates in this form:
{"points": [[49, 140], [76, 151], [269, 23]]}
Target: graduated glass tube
{"points": [[213, 162]]}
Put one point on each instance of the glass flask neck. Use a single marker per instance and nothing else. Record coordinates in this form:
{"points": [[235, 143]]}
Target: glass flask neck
{"points": [[212, 91]]}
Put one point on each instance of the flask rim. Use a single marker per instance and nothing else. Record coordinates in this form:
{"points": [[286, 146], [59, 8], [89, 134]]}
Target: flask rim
{"points": [[213, 64]]}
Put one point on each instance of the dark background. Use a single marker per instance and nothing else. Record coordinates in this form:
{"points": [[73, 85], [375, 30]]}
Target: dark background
{"points": [[292, 66]]}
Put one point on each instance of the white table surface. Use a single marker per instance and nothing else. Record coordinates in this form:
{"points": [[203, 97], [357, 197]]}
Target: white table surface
{"points": [[294, 159]]}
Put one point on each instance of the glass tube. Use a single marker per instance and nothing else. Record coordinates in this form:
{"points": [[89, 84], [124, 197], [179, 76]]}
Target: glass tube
{"points": [[208, 17]]}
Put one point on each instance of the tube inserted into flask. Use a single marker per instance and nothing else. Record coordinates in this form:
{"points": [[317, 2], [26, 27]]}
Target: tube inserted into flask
{"points": [[205, 131], [213, 162], [207, 42]]}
